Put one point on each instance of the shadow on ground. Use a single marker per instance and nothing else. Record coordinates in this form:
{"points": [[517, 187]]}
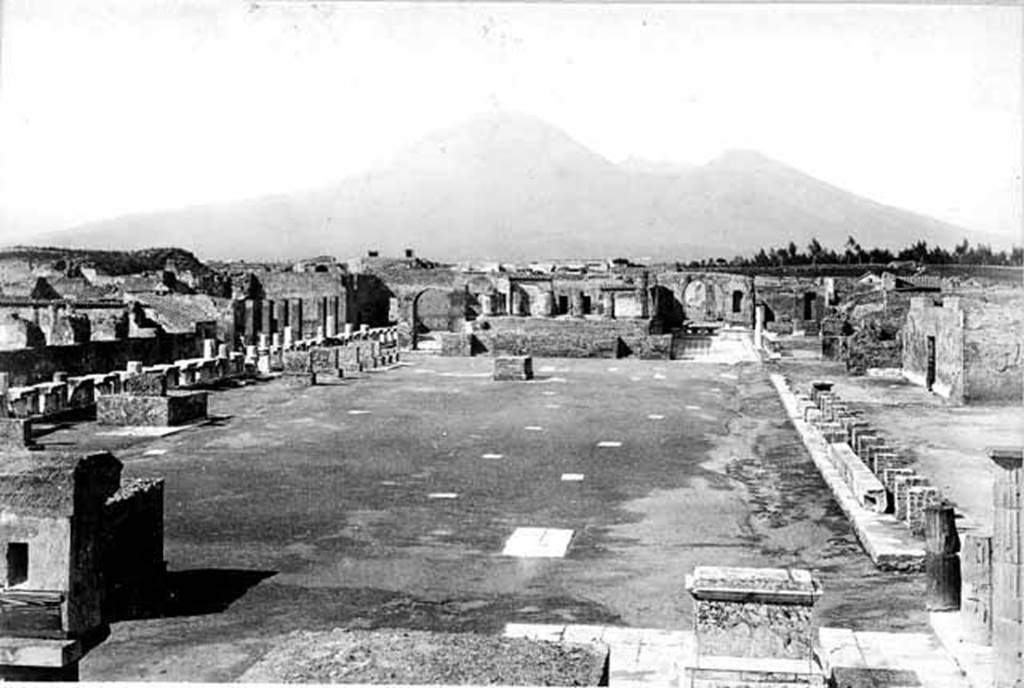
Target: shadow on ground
{"points": [[208, 591]]}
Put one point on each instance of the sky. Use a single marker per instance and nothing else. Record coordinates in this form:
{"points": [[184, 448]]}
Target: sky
{"points": [[109, 107]]}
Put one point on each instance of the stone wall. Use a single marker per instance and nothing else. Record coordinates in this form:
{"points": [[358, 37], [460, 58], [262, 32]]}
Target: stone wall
{"points": [[704, 296], [993, 360], [945, 325], [29, 366], [978, 356], [571, 338]]}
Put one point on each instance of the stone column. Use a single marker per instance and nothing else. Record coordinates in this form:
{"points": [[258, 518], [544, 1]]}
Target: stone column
{"points": [[608, 304], [348, 329], [645, 296], [759, 326], [267, 316], [222, 351], [295, 317], [752, 621], [576, 304], [289, 340], [1008, 569], [364, 328], [209, 348], [252, 320], [516, 302], [486, 304], [545, 305], [332, 316], [280, 315]]}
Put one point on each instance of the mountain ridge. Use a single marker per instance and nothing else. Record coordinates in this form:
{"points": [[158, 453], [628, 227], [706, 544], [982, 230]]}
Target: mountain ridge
{"points": [[513, 187]]}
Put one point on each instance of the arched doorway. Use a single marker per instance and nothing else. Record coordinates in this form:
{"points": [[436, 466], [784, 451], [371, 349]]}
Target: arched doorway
{"points": [[433, 310]]}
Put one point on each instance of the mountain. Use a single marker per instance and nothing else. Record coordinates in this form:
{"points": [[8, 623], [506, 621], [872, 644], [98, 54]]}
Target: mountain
{"points": [[513, 187]]}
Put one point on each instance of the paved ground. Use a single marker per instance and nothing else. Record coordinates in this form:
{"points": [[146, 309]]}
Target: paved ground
{"points": [[946, 442], [294, 512]]}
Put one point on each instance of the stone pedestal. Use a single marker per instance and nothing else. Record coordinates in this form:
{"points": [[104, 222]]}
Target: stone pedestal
{"points": [[753, 627], [134, 367], [513, 368], [15, 434], [289, 338]]}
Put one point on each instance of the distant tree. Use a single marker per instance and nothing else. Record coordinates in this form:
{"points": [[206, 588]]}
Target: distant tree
{"points": [[815, 251]]}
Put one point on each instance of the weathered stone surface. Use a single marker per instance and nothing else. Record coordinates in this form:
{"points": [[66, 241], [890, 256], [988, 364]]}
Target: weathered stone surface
{"points": [[325, 360], [15, 434], [145, 385], [297, 362], [513, 368], [744, 612], [298, 379], [174, 409], [456, 344], [82, 392]]}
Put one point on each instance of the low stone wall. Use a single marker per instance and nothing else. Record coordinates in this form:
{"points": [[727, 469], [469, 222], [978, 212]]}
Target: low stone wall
{"points": [[38, 364], [560, 338], [513, 368]]}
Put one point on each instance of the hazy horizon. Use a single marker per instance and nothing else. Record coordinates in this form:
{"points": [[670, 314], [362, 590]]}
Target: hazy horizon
{"points": [[125, 106]]}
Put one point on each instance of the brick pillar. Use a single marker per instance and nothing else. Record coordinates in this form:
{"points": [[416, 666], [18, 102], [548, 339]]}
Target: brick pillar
{"points": [[1008, 569], [331, 321]]}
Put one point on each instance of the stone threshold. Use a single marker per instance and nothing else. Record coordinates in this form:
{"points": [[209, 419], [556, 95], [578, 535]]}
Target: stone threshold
{"points": [[38, 652], [887, 541]]}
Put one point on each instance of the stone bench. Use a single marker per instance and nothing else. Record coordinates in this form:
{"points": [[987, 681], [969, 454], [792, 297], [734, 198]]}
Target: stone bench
{"points": [[866, 488], [158, 411], [901, 485]]}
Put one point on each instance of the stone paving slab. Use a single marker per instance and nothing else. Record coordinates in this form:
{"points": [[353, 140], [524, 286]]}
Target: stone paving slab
{"points": [[974, 660], [888, 542]]}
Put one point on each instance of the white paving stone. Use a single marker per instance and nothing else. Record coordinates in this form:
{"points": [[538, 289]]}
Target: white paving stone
{"points": [[443, 495], [357, 412], [572, 477], [492, 456], [656, 416], [552, 406], [609, 443], [538, 542], [658, 376], [691, 407], [548, 393], [154, 452], [533, 428]]}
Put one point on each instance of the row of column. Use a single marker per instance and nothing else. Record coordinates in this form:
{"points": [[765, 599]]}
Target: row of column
{"points": [[321, 316], [545, 304]]}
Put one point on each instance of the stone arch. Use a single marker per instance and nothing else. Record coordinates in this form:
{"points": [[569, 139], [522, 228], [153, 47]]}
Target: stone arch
{"points": [[435, 310]]}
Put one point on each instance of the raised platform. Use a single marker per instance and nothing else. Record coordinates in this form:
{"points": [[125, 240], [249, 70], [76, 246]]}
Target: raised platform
{"points": [[173, 409], [885, 539]]}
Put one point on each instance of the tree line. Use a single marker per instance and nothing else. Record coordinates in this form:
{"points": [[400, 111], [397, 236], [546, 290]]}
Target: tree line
{"points": [[852, 253]]}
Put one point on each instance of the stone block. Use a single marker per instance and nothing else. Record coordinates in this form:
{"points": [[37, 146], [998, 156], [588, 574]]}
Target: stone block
{"points": [[174, 409], [188, 373], [324, 360], [145, 385], [456, 344], [298, 378], [901, 488], [209, 371], [513, 368], [82, 392], [918, 498], [976, 588], [23, 401], [297, 362], [866, 488], [15, 434]]}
